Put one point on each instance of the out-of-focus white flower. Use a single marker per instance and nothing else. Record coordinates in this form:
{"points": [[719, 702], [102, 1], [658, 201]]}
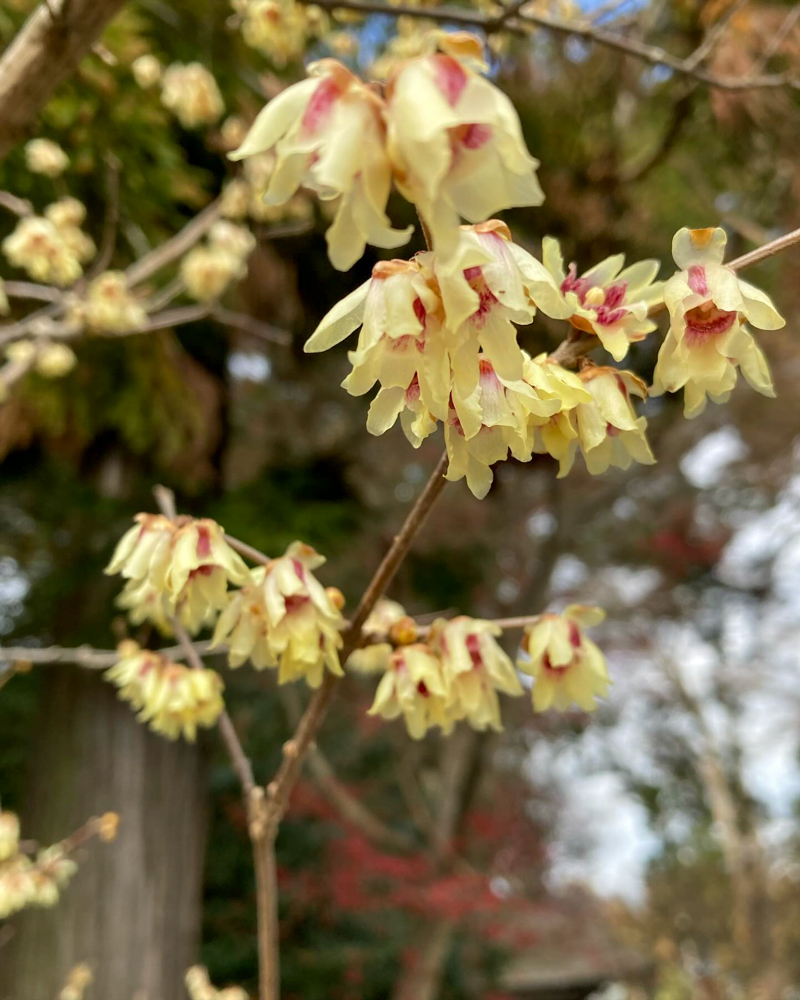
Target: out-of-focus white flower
{"points": [[54, 360], [192, 94], [109, 306], [328, 134], [43, 156], [37, 246], [67, 215], [146, 70]]}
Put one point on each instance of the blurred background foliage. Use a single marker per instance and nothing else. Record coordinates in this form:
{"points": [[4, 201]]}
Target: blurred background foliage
{"points": [[590, 851]]}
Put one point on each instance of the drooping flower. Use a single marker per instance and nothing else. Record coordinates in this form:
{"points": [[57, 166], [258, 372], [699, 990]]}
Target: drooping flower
{"points": [[284, 617], [43, 156], [187, 561], [172, 698], [707, 340], [608, 431], [606, 300], [374, 657], [109, 306], [192, 94], [414, 687], [455, 140], [328, 135], [566, 665], [38, 247], [475, 668], [554, 434]]}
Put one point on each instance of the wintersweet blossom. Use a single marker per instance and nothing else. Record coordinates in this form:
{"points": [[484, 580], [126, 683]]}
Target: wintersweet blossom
{"points": [[606, 300], [54, 360], [284, 617], [280, 29], [708, 340], [187, 561], [455, 140], [172, 698], [415, 688], [374, 657], [207, 270], [37, 246], [68, 215], [329, 136], [24, 882], [146, 70], [475, 668], [192, 94], [109, 307], [566, 665], [608, 431], [9, 835], [43, 156]]}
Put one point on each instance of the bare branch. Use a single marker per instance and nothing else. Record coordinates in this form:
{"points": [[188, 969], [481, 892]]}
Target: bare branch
{"points": [[43, 54], [15, 205], [175, 247], [83, 656], [716, 32], [565, 26], [30, 290], [252, 325], [780, 36], [247, 551]]}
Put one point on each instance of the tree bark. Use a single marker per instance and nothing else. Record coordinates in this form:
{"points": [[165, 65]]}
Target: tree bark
{"points": [[48, 48], [133, 909]]}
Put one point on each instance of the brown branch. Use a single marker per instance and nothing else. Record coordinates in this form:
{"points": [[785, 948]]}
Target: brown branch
{"points": [[251, 325], [15, 205], [84, 656], [247, 551], [174, 247], [567, 27], [43, 54], [780, 36], [30, 290], [280, 788], [714, 34]]}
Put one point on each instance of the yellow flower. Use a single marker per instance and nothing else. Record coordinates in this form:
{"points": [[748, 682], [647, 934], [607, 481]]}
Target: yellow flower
{"points": [[567, 667], [43, 156], [707, 340], [414, 687], [401, 345], [207, 271], [146, 70], [328, 135], [186, 561], [608, 431], [109, 307], [17, 885], [278, 28], [67, 215], [455, 140], [54, 360], [173, 698], [192, 94], [475, 668], [200, 987], [284, 618], [9, 835], [374, 658], [37, 246], [607, 301], [79, 978]]}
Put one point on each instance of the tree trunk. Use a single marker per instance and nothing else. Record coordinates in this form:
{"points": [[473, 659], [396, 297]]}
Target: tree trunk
{"points": [[133, 909]]}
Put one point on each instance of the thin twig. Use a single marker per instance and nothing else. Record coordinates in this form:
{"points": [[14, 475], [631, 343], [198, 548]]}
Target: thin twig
{"points": [[247, 551], [251, 325], [778, 39], [31, 290], [567, 27], [715, 33], [175, 247], [85, 656], [15, 205], [280, 788]]}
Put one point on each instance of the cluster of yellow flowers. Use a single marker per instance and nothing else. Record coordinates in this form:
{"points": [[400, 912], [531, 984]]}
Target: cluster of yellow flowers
{"points": [[190, 92], [281, 29], [207, 270], [284, 617], [458, 670], [172, 698], [25, 881], [439, 332], [48, 358], [108, 306], [53, 247]]}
